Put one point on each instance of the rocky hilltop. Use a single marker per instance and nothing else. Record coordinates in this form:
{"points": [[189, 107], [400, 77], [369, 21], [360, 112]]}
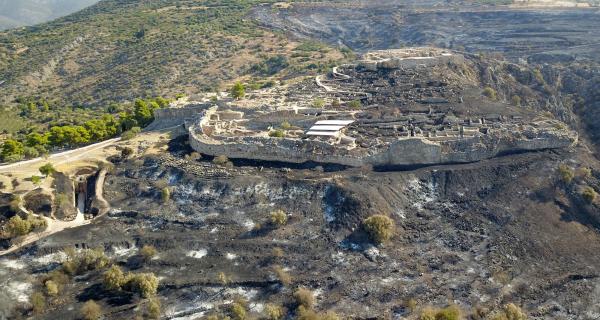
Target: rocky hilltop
{"points": [[417, 112]]}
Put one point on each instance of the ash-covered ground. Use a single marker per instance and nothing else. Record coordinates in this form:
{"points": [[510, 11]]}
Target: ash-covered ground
{"points": [[478, 235]]}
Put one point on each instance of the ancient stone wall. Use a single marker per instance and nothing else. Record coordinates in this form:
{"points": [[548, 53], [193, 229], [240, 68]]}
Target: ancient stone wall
{"points": [[404, 151], [169, 117]]}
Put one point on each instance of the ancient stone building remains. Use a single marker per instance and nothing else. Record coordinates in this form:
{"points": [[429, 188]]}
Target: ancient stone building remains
{"points": [[412, 113]]}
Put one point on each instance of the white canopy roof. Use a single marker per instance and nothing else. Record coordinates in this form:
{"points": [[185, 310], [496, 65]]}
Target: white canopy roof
{"points": [[334, 122], [322, 133], [325, 128]]}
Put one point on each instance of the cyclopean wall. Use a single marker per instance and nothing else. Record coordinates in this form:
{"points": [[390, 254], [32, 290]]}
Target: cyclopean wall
{"points": [[403, 152]]}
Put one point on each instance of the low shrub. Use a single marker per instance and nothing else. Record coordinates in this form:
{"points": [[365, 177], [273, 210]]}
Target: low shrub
{"points": [[37, 180], [85, 260], [304, 297], [379, 227], [282, 275], [91, 310], [17, 226], [153, 309], [566, 173], [113, 278], [38, 302], [148, 252], [451, 312], [51, 288], [318, 103], [276, 133], [145, 284], [589, 194], [510, 312], [222, 161], [490, 93], [278, 218], [274, 312], [238, 311], [130, 134], [515, 100], [223, 278], [285, 125], [355, 104], [47, 169], [165, 194]]}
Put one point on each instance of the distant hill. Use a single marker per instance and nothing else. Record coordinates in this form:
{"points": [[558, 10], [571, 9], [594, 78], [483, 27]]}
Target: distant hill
{"points": [[116, 51], [17, 13]]}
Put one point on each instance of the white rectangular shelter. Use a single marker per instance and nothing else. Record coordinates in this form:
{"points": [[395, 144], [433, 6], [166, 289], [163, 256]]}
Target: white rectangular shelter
{"points": [[322, 133], [326, 128], [334, 122]]}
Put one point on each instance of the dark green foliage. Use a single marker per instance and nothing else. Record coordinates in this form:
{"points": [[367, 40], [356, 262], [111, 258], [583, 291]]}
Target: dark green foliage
{"points": [[270, 66], [277, 133], [238, 90], [47, 169], [12, 149], [354, 104], [85, 260], [142, 113]]}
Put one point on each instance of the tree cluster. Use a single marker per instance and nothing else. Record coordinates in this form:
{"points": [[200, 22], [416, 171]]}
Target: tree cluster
{"points": [[108, 126]]}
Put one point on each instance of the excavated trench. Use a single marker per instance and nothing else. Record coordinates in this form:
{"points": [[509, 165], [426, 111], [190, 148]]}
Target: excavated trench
{"points": [[85, 190]]}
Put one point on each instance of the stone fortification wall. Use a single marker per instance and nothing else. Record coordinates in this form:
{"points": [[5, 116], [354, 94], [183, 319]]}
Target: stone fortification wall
{"points": [[408, 63], [405, 151], [169, 117]]}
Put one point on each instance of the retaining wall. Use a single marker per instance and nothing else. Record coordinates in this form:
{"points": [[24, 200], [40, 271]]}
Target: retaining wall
{"points": [[404, 152]]}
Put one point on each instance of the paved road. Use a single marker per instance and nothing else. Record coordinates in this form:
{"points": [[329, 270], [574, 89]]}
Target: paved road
{"points": [[61, 157]]}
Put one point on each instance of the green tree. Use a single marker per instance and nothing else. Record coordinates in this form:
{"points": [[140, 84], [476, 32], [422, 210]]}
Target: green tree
{"points": [[127, 121], [47, 169], [31, 152], [238, 90], [12, 148], [142, 113], [162, 102], [35, 139], [17, 227]]}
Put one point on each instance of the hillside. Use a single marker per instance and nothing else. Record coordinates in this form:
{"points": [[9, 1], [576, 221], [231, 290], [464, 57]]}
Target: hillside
{"points": [[91, 62], [317, 160], [29, 12], [120, 50]]}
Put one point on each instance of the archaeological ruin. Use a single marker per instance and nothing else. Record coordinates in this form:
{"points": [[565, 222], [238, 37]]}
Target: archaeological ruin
{"points": [[402, 107]]}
